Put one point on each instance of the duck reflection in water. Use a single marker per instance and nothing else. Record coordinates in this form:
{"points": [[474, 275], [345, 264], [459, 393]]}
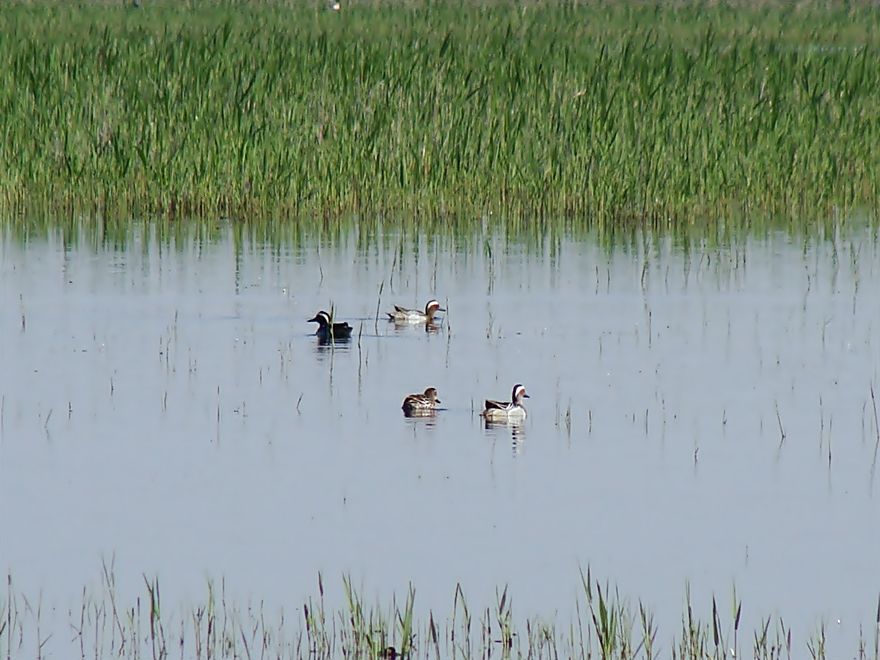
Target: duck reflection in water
{"points": [[517, 430]]}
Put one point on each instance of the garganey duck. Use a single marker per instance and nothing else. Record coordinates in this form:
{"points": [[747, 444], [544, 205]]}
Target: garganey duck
{"points": [[504, 411], [421, 404], [327, 330], [404, 315]]}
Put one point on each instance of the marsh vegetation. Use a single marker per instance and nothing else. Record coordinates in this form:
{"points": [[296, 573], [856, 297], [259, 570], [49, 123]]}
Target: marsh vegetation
{"points": [[605, 625], [614, 113]]}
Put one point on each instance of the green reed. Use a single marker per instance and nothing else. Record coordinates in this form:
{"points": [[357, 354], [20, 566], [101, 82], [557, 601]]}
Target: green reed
{"points": [[104, 624], [631, 113]]}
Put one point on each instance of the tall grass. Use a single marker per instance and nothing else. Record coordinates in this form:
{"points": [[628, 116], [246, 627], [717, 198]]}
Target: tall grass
{"points": [[632, 112], [103, 624]]}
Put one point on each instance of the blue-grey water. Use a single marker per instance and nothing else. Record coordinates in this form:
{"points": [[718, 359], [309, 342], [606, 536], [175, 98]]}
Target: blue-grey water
{"points": [[700, 418]]}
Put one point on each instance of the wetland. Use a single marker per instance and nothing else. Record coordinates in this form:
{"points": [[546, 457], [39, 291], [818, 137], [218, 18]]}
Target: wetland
{"points": [[660, 219], [702, 424]]}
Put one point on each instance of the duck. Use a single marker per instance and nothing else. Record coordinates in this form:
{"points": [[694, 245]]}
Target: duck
{"points": [[505, 411], [421, 404], [404, 315], [329, 330]]}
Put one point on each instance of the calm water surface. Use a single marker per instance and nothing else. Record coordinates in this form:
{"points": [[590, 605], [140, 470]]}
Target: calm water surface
{"points": [[699, 416]]}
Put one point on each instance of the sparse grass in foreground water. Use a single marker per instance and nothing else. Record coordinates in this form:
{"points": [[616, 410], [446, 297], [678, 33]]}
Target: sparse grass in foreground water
{"points": [[604, 625], [623, 112]]}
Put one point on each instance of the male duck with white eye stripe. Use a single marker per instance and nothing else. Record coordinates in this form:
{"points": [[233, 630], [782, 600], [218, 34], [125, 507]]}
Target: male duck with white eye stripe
{"points": [[505, 411], [327, 330], [404, 315]]}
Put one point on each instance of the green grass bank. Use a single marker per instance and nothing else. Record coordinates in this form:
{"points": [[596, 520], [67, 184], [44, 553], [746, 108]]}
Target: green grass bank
{"points": [[621, 113]]}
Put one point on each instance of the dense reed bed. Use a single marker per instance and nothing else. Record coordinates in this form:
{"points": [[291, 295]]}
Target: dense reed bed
{"points": [[625, 113], [604, 625]]}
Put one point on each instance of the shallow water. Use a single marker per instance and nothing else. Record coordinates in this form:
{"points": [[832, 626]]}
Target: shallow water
{"points": [[699, 416]]}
